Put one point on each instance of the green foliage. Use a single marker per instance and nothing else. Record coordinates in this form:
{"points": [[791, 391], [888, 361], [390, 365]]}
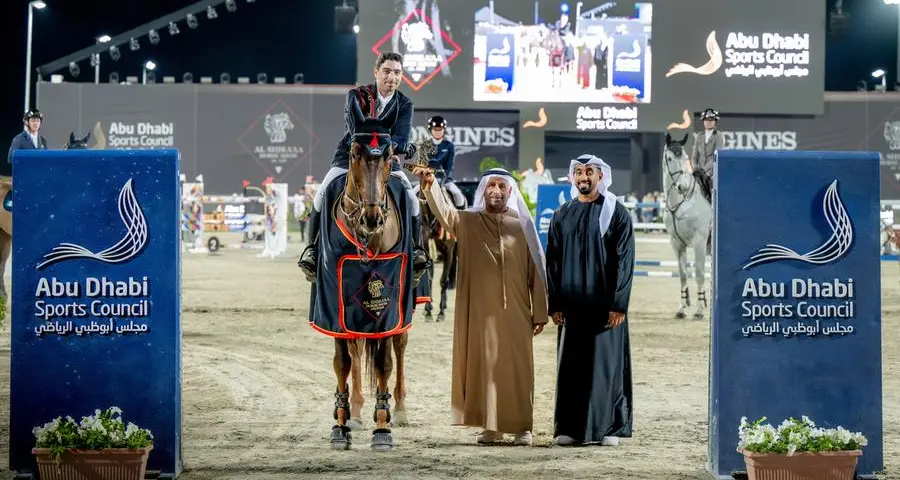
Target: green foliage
{"points": [[104, 429], [2, 313], [796, 436], [488, 163]]}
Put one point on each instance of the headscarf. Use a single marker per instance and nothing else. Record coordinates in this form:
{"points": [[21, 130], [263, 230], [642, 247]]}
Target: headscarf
{"points": [[609, 198], [517, 204]]}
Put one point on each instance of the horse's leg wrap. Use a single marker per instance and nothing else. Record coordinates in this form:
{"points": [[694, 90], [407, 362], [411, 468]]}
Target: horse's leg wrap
{"points": [[701, 298], [342, 401], [382, 402], [686, 297]]}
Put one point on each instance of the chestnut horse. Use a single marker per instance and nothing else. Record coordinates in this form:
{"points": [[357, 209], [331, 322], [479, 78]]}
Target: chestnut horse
{"points": [[367, 209]]}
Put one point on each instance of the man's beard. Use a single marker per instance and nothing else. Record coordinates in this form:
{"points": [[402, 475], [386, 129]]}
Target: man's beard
{"points": [[586, 188]]}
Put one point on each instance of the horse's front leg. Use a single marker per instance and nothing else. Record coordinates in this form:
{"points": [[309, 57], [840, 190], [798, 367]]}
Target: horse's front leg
{"points": [[356, 397], [700, 275], [445, 282], [379, 352], [340, 433], [400, 417], [681, 253]]}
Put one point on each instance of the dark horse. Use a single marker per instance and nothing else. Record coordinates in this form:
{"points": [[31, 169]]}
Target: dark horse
{"points": [[446, 245], [77, 143], [368, 210]]}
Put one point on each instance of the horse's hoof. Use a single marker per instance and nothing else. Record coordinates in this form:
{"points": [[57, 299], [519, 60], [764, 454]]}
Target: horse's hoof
{"points": [[679, 315], [382, 440], [340, 438], [698, 316], [400, 419], [440, 317], [355, 424]]}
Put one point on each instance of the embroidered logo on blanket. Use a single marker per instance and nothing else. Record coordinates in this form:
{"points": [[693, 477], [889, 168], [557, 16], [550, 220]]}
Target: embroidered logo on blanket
{"points": [[375, 296]]}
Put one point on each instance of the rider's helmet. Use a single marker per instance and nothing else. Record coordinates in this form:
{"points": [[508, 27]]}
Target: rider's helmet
{"points": [[34, 113], [437, 121], [709, 114]]}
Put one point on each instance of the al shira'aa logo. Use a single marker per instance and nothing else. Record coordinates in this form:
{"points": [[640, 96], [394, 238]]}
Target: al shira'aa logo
{"points": [[708, 68]]}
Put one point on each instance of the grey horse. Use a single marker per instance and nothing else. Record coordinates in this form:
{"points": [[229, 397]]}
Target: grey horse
{"points": [[688, 219]]}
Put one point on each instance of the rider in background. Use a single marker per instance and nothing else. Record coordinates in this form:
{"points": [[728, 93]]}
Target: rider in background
{"points": [[705, 146], [29, 139], [394, 110], [444, 156]]}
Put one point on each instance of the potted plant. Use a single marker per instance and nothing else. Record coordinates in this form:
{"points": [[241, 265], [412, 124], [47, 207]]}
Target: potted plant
{"points": [[797, 449], [100, 446]]}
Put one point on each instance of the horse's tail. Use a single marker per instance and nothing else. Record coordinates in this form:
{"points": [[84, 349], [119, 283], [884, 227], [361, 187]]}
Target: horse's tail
{"points": [[377, 349]]}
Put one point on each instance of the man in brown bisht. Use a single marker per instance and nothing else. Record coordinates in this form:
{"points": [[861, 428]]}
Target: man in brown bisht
{"points": [[501, 305]]}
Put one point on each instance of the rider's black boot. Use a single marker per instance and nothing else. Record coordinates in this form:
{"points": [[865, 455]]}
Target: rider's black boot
{"points": [[309, 259]]}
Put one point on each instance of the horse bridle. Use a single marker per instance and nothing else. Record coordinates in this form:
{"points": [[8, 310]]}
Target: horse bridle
{"points": [[673, 178], [355, 216]]}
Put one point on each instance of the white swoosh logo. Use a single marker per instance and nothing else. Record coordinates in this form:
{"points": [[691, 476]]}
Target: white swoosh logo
{"points": [[708, 68], [501, 51], [635, 51], [833, 248], [127, 248]]}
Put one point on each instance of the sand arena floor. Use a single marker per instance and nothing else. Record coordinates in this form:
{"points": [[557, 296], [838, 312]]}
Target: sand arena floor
{"points": [[258, 388]]}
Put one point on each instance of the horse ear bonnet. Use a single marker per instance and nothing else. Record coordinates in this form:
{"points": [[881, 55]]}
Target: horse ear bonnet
{"points": [[372, 135]]}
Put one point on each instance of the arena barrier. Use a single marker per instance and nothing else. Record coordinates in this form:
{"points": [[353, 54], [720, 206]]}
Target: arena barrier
{"points": [[96, 306], [814, 348]]}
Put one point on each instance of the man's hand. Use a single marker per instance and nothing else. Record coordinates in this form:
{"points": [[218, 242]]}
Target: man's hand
{"points": [[538, 329], [615, 319], [558, 318], [426, 176]]}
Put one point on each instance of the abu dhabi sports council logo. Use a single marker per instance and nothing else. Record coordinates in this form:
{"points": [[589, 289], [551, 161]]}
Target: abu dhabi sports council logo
{"points": [[764, 55], [128, 247], [427, 49], [837, 245], [711, 66]]}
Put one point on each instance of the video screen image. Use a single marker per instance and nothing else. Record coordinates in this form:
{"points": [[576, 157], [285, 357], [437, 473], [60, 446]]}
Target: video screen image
{"points": [[586, 55]]}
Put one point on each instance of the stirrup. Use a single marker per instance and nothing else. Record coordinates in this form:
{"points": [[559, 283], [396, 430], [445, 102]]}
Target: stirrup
{"points": [[307, 262]]}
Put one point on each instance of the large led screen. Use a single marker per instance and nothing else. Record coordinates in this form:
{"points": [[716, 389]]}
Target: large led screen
{"points": [[620, 65], [584, 55]]}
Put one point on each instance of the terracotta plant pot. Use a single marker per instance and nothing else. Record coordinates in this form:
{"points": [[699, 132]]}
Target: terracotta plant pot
{"points": [[802, 465], [105, 464]]}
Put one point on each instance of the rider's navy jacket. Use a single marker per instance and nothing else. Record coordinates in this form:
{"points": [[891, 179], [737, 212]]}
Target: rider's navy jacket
{"points": [[444, 156], [396, 118], [22, 141]]}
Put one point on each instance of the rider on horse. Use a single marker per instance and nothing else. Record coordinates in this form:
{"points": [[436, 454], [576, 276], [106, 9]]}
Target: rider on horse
{"points": [[444, 156], [705, 147], [383, 102]]}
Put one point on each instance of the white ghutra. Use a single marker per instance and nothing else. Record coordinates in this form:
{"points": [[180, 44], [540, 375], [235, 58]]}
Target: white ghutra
{"points": [[125, 249], [835, 247]]}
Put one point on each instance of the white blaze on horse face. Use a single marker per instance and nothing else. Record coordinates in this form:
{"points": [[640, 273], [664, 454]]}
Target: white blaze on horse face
{"points": [[388, 76], [675, 164]]}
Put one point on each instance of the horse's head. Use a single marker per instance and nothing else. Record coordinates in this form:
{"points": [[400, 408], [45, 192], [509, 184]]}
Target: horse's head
{"points": [[676, 163], [77, 143], [371, 154]]}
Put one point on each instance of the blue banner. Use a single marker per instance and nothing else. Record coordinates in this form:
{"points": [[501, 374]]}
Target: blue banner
{"points": [[96, 304], [629, 66], [549, 198], [797, 308], [501, 58]]}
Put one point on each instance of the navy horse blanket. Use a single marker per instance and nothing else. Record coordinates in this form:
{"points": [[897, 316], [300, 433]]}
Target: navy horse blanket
{"points": [[352, 298]]}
